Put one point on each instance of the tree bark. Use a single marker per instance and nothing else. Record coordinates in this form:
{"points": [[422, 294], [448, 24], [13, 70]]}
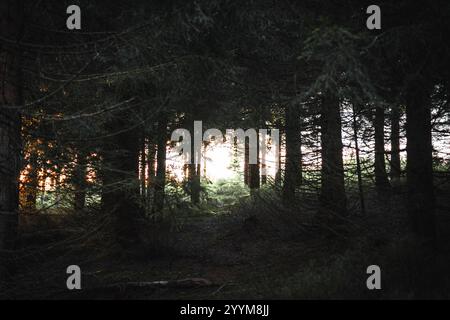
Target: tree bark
{"points": [[194, 181], [193, 170], [79, 181], [419, 170], [278, 172], [332, 193], [381, 178], [246, 163], [160, 179], [263, 168], [151, 159], [292, 176], [395, 144], [254, 181], [143, 165], [121, 181], [31, 184], [358, 162], [11, 100]]}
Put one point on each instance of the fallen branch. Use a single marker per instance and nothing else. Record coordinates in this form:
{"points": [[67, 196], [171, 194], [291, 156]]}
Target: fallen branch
{"points": [[182, 283]]}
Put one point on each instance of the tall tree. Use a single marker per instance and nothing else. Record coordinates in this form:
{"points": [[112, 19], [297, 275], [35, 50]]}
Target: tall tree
{"points": [[121, 179], [358, 160], [30, 183], [381, 179], [160, 179], [79, 182], [419, 170], [395, 144], [332, 191], [194, 174], [151, 158], [246, 163], [11, 101], [254, 181], [292, 177], [143, 165]]}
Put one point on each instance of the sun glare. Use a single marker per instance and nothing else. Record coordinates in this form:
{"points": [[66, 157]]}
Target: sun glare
{"points": [[219, 162]]}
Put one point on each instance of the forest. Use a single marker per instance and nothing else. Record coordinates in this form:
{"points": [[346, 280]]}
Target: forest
{"points": [[344, 161]]}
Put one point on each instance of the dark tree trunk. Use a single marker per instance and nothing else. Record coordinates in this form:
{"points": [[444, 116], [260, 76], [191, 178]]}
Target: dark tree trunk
{"points": [[193, 170], [160, 179], [358, 162], [186, 172], [194, 181], [31, 184], [11, 100], [79, 182], [421, 199], [254, 181], [121, 181], [143, 165], [263, 168], [381, 178], [395, 144], [246, 163], [332, 193], [292, 176], [151, 158], [278, 173]]}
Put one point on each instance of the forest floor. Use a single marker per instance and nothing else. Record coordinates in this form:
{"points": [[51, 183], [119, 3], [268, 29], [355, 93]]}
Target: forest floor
{"points": [[254, 252]]}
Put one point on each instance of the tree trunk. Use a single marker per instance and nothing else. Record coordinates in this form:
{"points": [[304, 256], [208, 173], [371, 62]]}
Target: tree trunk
{"points": [[151, 158], [381, 178], [278, 172], [143, 165], [358, 162], [395, 145], [332, 193], [254, 180], [292, 176], [419, 170], [246, 163], [11, 100], [160, 179], [263, 147], [79, 182], [263, 166], [194, 181], [121, 181], [31, 184], [194, 171]]}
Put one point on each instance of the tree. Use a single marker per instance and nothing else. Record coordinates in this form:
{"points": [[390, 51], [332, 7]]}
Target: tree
{"points": [[395, 144], [254, 181], [292, 176], [121, 179], [419, 169], [160, 179], [11, 101], [332, 191], [358, 160], [79, 181], [381, 179]]}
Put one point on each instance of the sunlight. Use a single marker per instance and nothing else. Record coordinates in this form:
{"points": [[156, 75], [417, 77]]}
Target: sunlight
{"points": [[217, 160], [218, 163]]}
